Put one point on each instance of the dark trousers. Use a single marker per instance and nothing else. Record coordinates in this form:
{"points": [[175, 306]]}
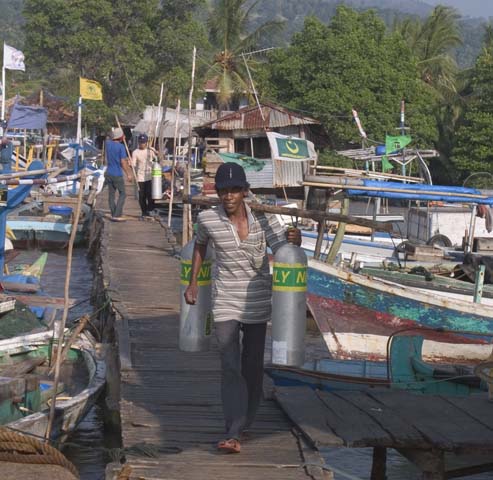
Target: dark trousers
{"points": [[242, 371], [115, 184], [145, 197]]}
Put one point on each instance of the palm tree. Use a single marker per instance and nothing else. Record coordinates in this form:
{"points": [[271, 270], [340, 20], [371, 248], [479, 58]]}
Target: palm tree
{"points": [[228, 23], [431, 42], [488, 37]]}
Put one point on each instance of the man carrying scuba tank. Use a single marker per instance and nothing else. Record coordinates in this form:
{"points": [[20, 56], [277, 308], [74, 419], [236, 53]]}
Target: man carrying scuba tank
{"points": [[241, 294]]}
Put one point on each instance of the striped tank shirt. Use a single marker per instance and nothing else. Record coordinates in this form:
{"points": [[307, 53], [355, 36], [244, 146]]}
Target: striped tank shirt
{"points": [[242, 286]]}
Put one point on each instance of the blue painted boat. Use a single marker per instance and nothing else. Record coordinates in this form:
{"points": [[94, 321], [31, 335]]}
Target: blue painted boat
{"points": [[48, 232], [357, 314], [404, 370]]}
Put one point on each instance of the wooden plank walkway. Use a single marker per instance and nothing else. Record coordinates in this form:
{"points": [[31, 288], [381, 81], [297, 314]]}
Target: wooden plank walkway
{"points": [[423, 428], [170, 401]]}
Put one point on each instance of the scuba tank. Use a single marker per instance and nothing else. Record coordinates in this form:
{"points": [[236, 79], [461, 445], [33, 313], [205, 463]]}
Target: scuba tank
{"points": [[196, 320], [157, 181], [289, 306]]}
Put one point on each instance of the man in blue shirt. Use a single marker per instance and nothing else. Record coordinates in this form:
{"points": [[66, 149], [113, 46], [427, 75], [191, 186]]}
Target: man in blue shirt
{"points": [[117, 164]]}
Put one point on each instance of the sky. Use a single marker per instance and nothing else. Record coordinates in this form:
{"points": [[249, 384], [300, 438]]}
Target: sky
{"points": [[471, 8]]}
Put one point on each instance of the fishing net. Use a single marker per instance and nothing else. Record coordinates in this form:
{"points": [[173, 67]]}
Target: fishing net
{"points": [[20, 320]]}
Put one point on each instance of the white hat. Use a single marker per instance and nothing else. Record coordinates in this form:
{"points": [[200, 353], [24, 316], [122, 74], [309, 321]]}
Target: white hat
{"points": [[117, 133]]}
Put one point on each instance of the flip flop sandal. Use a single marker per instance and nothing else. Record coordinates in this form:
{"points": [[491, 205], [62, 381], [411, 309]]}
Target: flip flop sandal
{"points": [[229, 446]]}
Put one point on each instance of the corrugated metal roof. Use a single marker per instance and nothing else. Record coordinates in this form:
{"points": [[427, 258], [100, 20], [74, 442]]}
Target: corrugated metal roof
{"points": [[250, 118], [289, 174], [276, 174], [261, 179], [153, 114]]}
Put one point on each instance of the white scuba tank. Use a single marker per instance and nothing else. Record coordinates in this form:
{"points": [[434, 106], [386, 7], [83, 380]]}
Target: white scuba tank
{"points": [[196, 320], [157, 181], [289, 306]]}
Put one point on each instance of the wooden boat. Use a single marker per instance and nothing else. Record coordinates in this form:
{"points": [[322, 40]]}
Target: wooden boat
{"points": [[425, 279], [357, 313], [367, 251], [26, 387], [404, 369], [51, 231]]}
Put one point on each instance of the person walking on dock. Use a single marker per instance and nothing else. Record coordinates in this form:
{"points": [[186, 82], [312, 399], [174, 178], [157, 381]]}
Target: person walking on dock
{"points": [[142, 158], [241, 294], [117, 164]]}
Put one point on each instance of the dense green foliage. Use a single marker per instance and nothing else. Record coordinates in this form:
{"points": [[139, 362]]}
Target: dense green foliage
{"points": [[473, 152], [352, 63], [129, 50]]}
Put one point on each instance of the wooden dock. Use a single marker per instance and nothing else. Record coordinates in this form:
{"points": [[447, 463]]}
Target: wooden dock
{"points": [[171, 416], [445, 437]]}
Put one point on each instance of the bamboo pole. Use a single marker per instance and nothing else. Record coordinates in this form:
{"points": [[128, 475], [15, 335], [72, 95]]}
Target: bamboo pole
{"points": [[68, 271], [341, 229], [152, 122], [158, 119], [26, 173], [365, 173], [172, 194], [397, 190], [40, 181], [187, 209], [320, 238], [298, 212]]}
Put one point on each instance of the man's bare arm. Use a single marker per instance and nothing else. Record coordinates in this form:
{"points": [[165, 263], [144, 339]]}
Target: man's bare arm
{"points": [[198, 255]]}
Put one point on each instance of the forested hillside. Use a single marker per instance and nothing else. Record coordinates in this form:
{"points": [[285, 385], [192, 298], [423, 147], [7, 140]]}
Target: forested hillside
{"points": [[293, 12], [11, 21]]}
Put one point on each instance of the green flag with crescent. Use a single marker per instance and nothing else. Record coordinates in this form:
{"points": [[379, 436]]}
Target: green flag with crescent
{"points": [[284, 147], [292, 148], [398, 142]]}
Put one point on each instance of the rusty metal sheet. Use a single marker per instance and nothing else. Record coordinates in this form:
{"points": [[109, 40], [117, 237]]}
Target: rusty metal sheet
{"points": [[274, 116]]}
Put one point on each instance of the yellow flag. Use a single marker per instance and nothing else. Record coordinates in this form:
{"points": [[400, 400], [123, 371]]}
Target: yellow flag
{"points": [[90, 89]]}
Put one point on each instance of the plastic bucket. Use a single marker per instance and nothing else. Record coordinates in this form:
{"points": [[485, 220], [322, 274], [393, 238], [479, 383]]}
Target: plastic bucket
{"points": [[60, 210]]}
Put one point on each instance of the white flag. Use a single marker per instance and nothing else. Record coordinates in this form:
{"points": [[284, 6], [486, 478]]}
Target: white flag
{"points": [[13, 59]]}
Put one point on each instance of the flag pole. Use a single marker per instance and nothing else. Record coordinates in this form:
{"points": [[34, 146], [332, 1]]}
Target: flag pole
{"points": [[3, 83], [79, 120], [3, 91], [77, 140]]}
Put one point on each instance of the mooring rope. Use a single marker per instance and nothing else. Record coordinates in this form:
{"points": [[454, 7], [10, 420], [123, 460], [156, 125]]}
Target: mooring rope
{"points": [[18, 448], [479, 371]]}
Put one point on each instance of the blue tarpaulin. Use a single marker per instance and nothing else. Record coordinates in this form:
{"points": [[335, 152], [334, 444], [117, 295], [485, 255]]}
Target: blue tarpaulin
{"points": [[30, 118], [408, 191]]}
